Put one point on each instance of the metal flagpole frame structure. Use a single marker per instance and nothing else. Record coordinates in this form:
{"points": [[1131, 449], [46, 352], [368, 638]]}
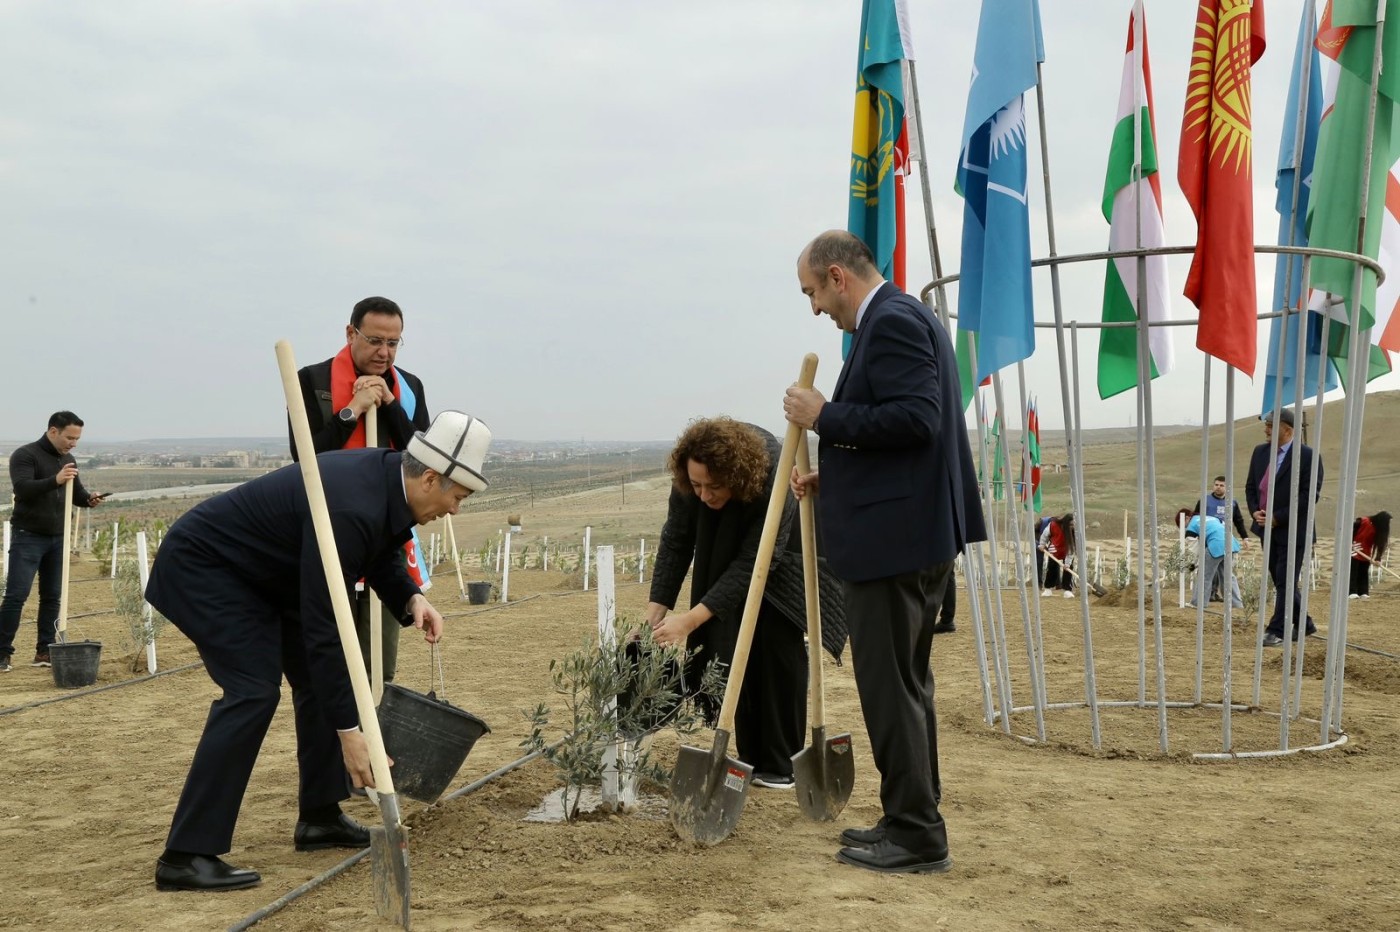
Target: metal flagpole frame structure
{"points": [[981, 567]]}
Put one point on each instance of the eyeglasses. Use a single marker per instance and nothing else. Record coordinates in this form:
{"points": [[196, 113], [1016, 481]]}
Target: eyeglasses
{"points": [[377, 342]]}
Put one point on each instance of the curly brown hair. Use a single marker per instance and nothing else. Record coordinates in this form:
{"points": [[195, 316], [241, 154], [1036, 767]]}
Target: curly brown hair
{"points": [[735, 454]]}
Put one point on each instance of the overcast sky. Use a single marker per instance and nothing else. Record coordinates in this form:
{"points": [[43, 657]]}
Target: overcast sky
{"points": [[589, 211]]}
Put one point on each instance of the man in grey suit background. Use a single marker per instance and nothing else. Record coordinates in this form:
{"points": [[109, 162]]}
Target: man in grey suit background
{"points": [[898, 502]]}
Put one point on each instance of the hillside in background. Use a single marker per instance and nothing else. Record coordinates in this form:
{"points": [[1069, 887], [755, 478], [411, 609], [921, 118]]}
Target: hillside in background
{"points": [[1110, 466]]}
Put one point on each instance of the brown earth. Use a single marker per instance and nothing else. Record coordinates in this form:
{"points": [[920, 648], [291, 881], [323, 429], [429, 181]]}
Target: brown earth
{"points": [[1052, 836]]}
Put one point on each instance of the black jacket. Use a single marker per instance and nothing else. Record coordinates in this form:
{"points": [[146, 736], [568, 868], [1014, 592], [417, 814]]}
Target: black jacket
{"points": [[38, 498], [329, 432], [257, 544]]}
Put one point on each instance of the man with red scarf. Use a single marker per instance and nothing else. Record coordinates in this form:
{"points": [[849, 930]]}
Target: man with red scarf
{"points": [[338, 392]]}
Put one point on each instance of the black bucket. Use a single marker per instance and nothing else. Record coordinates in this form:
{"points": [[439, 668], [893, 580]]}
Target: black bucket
{"points": [[74, 664], [428, 740], [478, 593]]}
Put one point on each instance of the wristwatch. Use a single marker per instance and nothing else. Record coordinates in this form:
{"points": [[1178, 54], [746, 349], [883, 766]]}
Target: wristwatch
{"points": [[348, 415]]}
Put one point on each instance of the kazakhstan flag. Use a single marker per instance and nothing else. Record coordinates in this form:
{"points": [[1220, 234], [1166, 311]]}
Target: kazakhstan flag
{"points": [[879, 118]]}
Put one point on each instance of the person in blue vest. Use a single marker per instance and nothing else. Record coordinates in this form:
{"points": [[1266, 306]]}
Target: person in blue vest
{"points": [[1226, 511], [240, 574]]}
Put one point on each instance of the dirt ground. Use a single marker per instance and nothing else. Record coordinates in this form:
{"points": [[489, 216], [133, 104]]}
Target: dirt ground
{"points": [[1052, 836]]}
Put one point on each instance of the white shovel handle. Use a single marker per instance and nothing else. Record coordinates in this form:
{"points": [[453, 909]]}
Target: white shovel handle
{"points": [[811, 587], [376, 609], [330, 563]]}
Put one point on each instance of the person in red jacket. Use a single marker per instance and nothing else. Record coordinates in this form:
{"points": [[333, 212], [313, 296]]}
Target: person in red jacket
{"points": [[1369, 539], [1057, 540]]}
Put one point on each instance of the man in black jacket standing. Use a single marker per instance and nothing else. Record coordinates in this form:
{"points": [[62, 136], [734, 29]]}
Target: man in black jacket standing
{"points": [[339, 391], [38, 472], [898, 502]]}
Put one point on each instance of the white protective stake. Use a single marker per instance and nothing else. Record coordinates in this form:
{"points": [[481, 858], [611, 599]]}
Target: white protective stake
{"points": [[619, 783], [62, 625], [116, 544], [587, 542], [451, 536], [147, 621], [1181, 582], [498, 550], [546, 553], [1098, 563], [642, 561], [505, 573]]}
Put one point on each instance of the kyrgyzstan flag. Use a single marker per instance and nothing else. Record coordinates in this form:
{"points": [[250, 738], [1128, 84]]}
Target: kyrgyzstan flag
{"points": [[1215, 169]]}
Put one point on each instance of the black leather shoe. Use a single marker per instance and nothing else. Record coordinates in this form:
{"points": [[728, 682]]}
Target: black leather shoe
{"points": [[945, 627], [204, 872], [864, 837], [344, 832], [887, 857]]}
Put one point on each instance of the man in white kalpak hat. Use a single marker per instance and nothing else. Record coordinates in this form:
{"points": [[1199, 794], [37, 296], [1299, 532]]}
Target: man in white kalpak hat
{"points": [[240, 574]]}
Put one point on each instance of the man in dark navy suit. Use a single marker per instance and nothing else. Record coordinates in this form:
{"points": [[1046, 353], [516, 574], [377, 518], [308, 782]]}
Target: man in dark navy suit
{"points": [[898, 502], [241, 575], [1268, 492]]}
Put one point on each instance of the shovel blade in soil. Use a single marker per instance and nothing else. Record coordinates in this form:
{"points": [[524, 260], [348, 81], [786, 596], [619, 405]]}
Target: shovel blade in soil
{"points": [[388, 854], [708, 790], [824, 772]]}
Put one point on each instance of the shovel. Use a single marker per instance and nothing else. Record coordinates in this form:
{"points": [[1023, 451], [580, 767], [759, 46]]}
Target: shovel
{"points": [[1093, 586], [825, 770], [388, 845], [708, 788], [376, 608]]}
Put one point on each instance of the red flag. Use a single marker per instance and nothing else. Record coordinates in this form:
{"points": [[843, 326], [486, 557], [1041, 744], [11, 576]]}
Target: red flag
{"points": [[1215, 168]]}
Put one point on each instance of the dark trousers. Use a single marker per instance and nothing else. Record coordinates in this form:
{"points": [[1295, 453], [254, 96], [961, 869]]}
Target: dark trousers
{"points": [[247, 647], [1057, 578], [891, 624], [1278, 572], [770, 720], [31, 554], [1360, 578]]}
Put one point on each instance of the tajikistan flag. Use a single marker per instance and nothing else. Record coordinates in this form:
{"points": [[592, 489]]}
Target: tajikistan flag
{"points": [[1132, 204]]}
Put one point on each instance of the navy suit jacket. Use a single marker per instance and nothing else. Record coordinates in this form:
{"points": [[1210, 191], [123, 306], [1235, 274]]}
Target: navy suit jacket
{"points": [[255, 545], [1280, 488], [898, 489]]}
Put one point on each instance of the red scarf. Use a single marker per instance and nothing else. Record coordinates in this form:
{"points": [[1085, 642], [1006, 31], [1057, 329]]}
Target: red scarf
{"points": [[343, 376]]}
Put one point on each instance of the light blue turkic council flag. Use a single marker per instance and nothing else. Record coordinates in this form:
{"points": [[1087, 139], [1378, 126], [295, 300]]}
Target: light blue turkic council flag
{"points": [[994, 291], [1280, 385]]}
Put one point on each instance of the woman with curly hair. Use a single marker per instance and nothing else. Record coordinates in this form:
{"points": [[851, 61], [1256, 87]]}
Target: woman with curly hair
{"points": [[1369, 539], [722, 478]]}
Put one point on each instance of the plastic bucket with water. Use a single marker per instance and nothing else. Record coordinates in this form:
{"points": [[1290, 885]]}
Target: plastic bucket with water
{"points": [[427, 738], [478, 593], [74, 663]]}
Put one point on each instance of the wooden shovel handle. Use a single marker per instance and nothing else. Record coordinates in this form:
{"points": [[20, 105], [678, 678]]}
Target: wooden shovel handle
{"points": [[376, 610], [761, 563], [330, 563], [62, 625], [811, 585]]}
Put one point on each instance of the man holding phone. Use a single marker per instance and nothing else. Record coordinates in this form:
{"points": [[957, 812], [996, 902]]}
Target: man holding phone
{"points": [[38, 472]]}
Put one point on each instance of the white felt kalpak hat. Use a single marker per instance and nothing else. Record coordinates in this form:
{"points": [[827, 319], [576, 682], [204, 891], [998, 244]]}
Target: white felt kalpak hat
{"points": [[453, 446]]}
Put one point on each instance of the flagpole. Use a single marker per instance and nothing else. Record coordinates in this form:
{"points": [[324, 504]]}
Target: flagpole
{"points": [[1033, 657], [1202, 585], [1076, 467], [1091, 683], [1358, 370], [1026, 521], [926, 191]]}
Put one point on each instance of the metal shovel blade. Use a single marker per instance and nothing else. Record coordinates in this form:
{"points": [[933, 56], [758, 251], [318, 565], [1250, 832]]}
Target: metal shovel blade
{"points": [[388, 857], [708, 789], [824, 772]]}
